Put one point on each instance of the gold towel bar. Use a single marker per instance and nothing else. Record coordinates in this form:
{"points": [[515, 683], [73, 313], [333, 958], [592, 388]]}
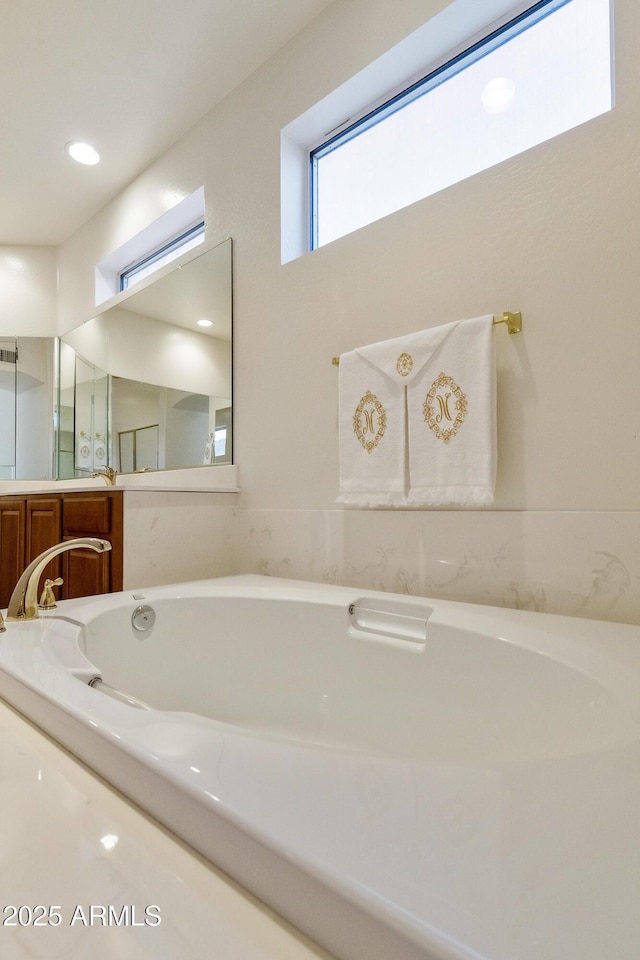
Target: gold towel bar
{"points": [[512, 320]]}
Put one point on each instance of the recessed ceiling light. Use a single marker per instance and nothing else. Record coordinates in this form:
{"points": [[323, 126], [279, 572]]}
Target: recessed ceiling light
{"points": [[82, 152], [205, 323]]}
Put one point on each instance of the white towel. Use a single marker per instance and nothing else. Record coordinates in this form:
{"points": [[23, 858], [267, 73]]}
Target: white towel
{"points": [[393, 397], [452, 420], [372, 436]]}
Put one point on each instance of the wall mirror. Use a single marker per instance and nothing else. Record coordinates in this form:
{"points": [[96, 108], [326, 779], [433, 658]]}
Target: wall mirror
{"points": [[139, 387]]}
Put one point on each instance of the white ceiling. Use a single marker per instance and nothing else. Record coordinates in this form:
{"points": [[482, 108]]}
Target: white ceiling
{"points": [[129, 76]]}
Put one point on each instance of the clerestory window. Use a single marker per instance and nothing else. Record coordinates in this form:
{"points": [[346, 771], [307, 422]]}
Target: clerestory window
{"points": [[541, 74], [165, 254]]}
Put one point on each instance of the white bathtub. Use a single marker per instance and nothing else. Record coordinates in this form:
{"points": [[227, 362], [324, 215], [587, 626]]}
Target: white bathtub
{"points": [[400, 778]]}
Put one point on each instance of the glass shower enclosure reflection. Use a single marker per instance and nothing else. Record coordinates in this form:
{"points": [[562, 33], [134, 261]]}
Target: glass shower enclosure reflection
{"points": [[26, 407], [82, 437], [8, 407]]}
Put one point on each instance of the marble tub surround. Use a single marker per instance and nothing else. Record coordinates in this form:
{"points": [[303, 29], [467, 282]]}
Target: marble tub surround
{"points": [[174, 535], [578, 563]]}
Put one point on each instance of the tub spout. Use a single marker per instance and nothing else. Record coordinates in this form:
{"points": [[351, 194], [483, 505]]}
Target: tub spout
{"points": [[23, 604]]}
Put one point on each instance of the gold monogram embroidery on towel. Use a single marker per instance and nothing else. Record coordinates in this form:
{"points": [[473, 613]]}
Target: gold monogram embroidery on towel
{"points": [[404, 366], [445, 404], [369, 420]]}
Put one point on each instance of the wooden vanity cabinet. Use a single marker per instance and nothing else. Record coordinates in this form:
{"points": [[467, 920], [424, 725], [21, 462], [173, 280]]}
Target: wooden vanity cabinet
{"points": [[29, 525]]}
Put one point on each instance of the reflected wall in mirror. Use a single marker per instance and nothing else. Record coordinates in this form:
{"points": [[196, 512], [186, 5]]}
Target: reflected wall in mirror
{"points": [[142, 386]]}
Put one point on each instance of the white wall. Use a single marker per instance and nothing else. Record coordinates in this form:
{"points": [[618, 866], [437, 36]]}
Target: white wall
{"points": [[553, 233], [28, 284]]}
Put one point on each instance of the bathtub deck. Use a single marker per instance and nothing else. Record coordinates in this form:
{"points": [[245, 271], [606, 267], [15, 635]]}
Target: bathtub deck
{"points": [[376, 855], [70, 843]]}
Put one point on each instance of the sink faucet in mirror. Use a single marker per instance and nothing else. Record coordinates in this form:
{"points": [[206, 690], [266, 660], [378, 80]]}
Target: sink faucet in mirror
{"points": [[108, 474]]}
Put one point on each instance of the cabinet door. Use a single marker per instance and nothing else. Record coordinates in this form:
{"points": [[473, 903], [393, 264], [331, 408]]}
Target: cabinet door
{"points": [[43, 530], [85, 572], [98, 514], [12, 557]]}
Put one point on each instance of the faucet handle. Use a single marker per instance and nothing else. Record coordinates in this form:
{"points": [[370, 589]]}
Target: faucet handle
{"points": [[47, 597]]}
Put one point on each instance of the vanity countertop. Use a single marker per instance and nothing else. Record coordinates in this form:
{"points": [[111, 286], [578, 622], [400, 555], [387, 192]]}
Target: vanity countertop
{"points": [[222, 478], [85, 873]]}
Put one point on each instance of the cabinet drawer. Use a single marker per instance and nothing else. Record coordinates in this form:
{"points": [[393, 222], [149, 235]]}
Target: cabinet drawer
{"points": [[87, 515]]}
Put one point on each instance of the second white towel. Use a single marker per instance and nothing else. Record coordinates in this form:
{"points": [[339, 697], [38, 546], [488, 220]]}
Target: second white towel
{"points": [[452, 421]]}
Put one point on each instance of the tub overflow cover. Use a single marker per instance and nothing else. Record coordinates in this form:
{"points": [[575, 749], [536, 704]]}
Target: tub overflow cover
{"points": [[143, 618]]}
